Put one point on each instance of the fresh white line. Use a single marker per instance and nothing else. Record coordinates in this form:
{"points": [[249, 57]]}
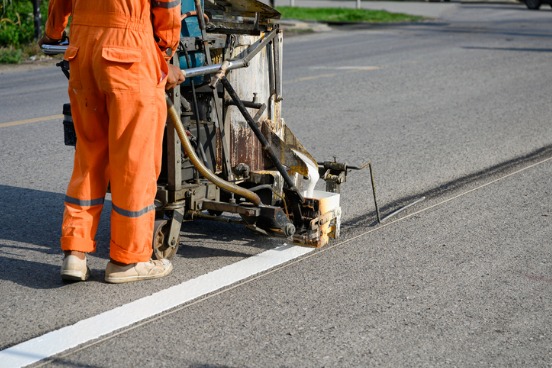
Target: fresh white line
{"points": [[92, 328], [57, 341]]}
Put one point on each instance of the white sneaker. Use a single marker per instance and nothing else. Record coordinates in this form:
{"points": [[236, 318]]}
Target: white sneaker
{"points": [[74, 269], [116, 274]]}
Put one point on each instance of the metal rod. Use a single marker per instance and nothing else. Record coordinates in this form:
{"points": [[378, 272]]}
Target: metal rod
{"points": [[277, 69], [201, 20], [196, 109], [374, 192], [219, 123], [212, 69], [264, 142], [217, 218], [394, 213], [53, 49], [256, 49], [174, 118], [248, 104], [259, 113], [231, 64]]}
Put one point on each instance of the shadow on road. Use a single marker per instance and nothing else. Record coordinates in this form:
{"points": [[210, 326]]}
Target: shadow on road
{"points": [[453, 186], [32, 217], [36, 275], [519, 6], [30, 254], [522, 49], [30, 220], [204, 238]]}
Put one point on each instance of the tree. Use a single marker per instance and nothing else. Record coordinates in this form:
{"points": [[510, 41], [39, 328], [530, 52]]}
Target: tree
{"points": [[20, 21], [37, 19]]}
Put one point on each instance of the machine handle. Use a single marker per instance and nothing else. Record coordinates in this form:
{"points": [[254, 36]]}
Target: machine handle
{"points": [[54, 49]]}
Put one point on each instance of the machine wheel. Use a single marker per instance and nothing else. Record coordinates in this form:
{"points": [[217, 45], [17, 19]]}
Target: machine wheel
{"points": [[533, 4], [161, 246]]}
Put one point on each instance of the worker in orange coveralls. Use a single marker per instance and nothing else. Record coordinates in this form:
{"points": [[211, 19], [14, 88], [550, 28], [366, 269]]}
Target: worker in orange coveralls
{"points": [[118, 56]]}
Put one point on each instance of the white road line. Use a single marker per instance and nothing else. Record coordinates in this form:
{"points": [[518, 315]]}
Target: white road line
{"points": [[57, 341]]}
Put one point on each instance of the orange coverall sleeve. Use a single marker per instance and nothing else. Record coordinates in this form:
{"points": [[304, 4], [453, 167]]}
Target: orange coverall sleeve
{"points": [[166, 25], [58, 16]]}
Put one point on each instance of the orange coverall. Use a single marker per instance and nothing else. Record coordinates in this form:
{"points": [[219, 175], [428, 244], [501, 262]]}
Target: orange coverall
{"points": [[118, 66]]}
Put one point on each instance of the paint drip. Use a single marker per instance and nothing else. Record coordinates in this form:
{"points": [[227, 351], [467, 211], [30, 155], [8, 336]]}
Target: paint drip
{"points": [[310, 181]]}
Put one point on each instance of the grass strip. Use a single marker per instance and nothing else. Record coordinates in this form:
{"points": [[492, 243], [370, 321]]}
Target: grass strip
{"points": [[343, 15]]}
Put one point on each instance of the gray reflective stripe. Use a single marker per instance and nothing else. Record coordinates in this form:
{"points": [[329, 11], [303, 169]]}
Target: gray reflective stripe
{"points": [[84, 202], [126, 213], [161, 4]]}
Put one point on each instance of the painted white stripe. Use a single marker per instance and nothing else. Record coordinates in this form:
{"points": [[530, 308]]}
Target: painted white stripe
{"points": [[92, 328]]}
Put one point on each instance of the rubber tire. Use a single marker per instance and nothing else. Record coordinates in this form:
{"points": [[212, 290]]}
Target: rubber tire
{"points": [[161, 248], [533, 4]]}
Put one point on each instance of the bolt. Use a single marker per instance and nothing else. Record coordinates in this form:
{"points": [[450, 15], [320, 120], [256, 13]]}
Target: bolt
{"points": [[289, 229]]}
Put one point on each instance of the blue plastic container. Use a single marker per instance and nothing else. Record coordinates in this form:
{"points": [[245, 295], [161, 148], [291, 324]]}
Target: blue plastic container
{"points": [[190, 28], [190, 25]]}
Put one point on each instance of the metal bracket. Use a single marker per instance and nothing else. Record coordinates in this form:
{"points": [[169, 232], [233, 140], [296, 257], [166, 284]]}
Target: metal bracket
{"points": [[335, 173]]}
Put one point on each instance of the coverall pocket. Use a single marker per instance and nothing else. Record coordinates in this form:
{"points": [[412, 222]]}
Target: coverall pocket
{"points": [[162, 71], [74, 72], [122, 68]]}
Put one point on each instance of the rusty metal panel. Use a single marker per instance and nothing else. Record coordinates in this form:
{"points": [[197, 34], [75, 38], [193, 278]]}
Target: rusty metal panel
{"points": [[245, 148], [251, 83]]}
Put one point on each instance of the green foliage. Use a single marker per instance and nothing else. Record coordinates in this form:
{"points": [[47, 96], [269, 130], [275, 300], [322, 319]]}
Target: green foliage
{"points": [[17, 21], [342, 15], [10, 55]]}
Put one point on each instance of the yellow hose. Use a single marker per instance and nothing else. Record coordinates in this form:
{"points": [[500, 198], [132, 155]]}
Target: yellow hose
{"points": [[208, 174]]}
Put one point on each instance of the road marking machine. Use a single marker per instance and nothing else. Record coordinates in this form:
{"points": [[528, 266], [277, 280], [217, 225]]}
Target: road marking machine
{"points": [[228, 154]]}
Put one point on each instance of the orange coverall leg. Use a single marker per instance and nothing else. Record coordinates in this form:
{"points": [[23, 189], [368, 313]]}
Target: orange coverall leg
{"points": [[118, 105]]}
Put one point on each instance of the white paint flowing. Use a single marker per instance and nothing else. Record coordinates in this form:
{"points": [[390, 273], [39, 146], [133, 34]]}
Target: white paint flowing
{"points": [[313, 177]]}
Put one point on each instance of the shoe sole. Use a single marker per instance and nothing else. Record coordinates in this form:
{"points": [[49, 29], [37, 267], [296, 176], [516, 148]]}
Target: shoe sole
{"points": [[70, 275], [122, 280]]}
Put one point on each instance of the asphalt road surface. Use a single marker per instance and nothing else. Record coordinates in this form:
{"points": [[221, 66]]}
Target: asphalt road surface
{"points": [[454, 114]]}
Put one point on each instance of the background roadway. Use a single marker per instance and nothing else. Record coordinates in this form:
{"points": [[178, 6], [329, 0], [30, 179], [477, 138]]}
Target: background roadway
{"points": [[455, 109]]}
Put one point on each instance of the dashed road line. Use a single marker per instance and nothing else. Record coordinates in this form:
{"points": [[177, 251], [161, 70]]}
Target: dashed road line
{"points": [[344, 69], [31, 121]]}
